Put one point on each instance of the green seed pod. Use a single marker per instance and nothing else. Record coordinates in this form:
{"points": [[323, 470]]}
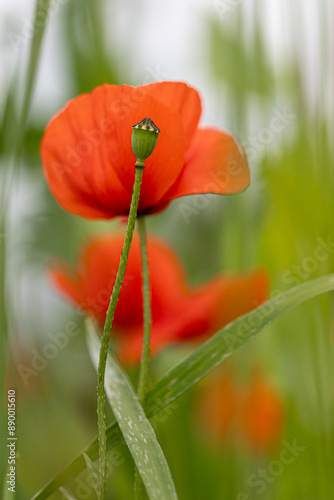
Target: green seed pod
{"points": [[143, 140]]}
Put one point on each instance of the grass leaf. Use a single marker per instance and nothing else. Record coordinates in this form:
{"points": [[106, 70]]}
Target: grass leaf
{"points": [[185, 374], [136, 428]]}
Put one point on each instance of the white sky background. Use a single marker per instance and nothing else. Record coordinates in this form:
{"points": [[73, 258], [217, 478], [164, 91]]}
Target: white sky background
{"points": [[167, 38]]}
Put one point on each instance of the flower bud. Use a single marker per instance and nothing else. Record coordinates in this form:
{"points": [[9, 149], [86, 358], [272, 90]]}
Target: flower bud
{"points": [[143, 140]]}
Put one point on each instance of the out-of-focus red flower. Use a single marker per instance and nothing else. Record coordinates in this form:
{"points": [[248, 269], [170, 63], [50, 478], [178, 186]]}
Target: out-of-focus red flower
{"points": [[179, 312], [261, 414], [217, 406], [88, 161], [253, 415]]}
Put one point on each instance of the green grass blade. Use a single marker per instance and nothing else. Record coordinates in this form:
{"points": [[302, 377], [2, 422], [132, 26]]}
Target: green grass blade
{"points": [[135, 426], [41, 16], [10, 162], [229, 339], [114, 436], [200, 363]]}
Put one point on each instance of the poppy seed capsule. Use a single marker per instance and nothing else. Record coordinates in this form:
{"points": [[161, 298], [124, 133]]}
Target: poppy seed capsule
{"points": [[143, 140]]}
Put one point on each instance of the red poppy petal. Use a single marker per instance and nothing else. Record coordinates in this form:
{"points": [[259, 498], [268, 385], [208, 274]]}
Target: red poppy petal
{"points": [[76, 166], [167, 281], [181, 98], [213, 164], [99, 265], [167, 277], [232, 297], [212, 306], [92, 282]]}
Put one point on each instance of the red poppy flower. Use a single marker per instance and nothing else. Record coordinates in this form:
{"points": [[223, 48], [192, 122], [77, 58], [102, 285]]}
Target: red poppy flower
{"points": [[254, 414], [261, 414], [179, 312], [88, 161], [217, 406]]}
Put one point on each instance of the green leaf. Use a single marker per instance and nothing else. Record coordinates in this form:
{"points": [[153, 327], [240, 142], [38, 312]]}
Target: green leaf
{"points": [[200, 363], [136, 428]]}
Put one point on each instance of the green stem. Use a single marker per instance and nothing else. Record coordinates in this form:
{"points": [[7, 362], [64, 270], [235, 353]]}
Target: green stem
{"points": [[147, 319], [106, 335]]}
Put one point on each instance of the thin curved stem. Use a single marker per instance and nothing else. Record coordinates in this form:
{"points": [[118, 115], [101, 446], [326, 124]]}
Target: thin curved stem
{"points": [[147, 320], [106, 335]]}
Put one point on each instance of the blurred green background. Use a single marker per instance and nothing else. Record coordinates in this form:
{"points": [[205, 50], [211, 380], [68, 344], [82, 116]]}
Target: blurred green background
{"points": [[252, 61]]}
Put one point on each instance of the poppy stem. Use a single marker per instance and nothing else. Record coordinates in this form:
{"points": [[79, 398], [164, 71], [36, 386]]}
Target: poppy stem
{"points": [[102, 433], [147, 320]]}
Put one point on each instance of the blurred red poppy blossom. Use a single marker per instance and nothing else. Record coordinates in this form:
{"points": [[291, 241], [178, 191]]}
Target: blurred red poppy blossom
{"points": [[217, 406], [88, 161], [261, 414], [253, 415], [179, 312]]}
